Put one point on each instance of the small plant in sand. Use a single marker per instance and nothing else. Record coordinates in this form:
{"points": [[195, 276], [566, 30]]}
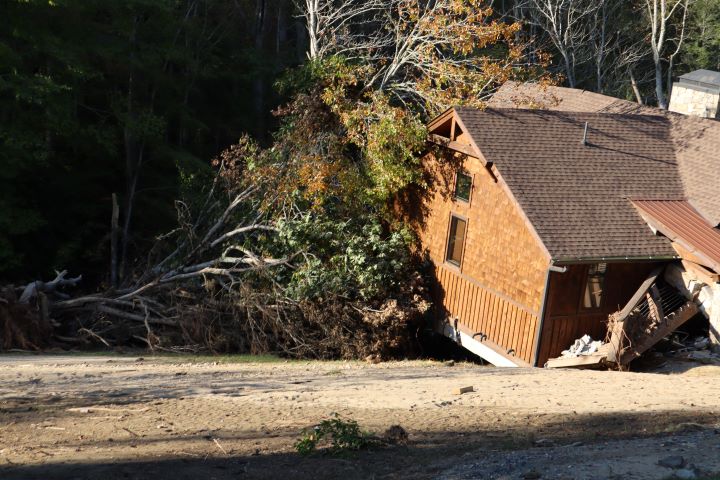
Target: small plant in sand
{"points": [[341, 435]]}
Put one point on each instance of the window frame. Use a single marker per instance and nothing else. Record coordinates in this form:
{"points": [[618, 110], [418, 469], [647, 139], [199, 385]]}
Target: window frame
{"points": [[584, 289], [455, 185], [446, 253]]}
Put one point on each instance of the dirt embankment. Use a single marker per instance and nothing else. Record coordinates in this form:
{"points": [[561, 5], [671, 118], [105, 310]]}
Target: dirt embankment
{"points": [[121, 418]]}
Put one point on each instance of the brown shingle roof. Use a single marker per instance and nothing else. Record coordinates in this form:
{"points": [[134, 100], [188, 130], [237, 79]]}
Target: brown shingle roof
{"points": [[681, 222], [696, 141], [697, 149], [531, 95], [575, 195]]}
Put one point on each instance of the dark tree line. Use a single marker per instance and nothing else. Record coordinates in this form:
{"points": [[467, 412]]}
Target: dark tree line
{"points": [[131, 98]]}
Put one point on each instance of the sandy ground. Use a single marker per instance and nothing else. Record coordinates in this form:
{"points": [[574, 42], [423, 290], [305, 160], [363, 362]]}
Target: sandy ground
{"points": [[108, 418]]}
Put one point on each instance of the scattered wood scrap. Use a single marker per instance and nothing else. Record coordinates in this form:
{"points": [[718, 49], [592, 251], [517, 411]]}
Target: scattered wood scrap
{"points": [[597, 359], [461, 390]]}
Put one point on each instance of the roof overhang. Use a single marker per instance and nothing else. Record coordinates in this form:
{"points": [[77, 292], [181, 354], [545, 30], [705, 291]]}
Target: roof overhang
{"points": [[613, 259], [693, 237]]}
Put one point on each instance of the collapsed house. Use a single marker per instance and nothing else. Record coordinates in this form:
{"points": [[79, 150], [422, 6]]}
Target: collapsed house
{"points": [[557, 213]]}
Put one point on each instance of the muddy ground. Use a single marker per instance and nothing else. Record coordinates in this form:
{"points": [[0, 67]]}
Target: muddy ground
{"points": [[69, 417]]}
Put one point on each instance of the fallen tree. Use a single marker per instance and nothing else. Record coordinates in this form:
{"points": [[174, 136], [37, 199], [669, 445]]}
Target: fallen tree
{"points": [[241, 275]]}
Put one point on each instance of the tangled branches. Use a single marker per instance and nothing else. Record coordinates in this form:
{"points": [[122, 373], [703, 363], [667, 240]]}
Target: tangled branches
{"points": [[246, 275]]}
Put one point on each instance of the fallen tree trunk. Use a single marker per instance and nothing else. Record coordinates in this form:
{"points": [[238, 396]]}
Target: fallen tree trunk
{"points": [[33, 288]]}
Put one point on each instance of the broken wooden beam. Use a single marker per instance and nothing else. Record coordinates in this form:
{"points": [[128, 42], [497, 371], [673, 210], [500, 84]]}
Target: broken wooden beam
{"points": [[639, 294], [702, 273], [581, 361]]}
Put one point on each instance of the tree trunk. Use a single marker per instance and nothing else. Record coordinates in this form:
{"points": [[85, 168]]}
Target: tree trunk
{"points": [[114, 232], [260, 78], [668, 84], [635, 88], [311, 20], [569, 70], [134, 158], [659, 90], [280, 33]]}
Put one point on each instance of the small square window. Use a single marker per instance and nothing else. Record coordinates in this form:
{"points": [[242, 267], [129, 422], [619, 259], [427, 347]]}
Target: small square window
{"points": [[456, 239], [463, 186], [594, 286]]}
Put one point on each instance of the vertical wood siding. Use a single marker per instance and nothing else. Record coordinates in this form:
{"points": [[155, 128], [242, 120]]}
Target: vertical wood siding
{"points": [[480, 311]]}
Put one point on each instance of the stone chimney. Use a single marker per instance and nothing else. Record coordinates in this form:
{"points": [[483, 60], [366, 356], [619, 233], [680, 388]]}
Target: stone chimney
{"points": [[697, 93]]}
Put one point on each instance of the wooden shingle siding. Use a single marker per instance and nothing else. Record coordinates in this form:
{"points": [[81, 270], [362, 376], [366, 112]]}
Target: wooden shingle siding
{"points": [[498, 288]]}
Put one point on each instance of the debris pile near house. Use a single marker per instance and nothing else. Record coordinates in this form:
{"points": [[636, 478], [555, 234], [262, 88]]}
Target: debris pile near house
{"points": [[582, 346], [696, 349], [658, 311]]}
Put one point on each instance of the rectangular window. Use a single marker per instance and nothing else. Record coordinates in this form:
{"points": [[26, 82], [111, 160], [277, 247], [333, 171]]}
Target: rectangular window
{"points": [[456, 239], [463, 186], [594, 285]]}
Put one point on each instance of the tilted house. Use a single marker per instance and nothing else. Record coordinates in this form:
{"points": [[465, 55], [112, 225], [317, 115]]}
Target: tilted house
{"points": [[541, 222]]}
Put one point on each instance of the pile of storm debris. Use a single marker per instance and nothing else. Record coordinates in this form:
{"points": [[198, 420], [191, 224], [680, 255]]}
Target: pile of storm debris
{"points": [[667, 299], [236, 275], [190, 317], [694, 348]]}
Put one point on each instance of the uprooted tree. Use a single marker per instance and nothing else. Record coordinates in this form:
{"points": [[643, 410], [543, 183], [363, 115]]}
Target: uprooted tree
{"points": [[295, 248]]}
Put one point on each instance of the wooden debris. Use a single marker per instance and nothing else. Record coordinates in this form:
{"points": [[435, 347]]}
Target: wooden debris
{"points": [[33, 288], [669, 324], [219, 446], [594, 360], [461, 390]]}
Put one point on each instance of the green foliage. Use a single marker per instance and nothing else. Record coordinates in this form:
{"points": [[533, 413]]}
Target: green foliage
{"points": [[343, 144], [702, 47], [343, 436], [353, 258], [394, 140]]}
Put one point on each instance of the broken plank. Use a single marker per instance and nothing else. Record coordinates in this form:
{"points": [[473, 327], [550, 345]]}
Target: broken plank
{"points": [[692, 255], [576, 362], [703, 274], [640, 293], [461, 390]]}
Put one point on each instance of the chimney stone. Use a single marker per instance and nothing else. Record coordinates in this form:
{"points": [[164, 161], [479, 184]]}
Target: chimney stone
{"points": [[697, 93]]}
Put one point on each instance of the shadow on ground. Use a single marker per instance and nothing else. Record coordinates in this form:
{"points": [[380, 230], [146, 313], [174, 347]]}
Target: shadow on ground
{"points": [[428, 454]]}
